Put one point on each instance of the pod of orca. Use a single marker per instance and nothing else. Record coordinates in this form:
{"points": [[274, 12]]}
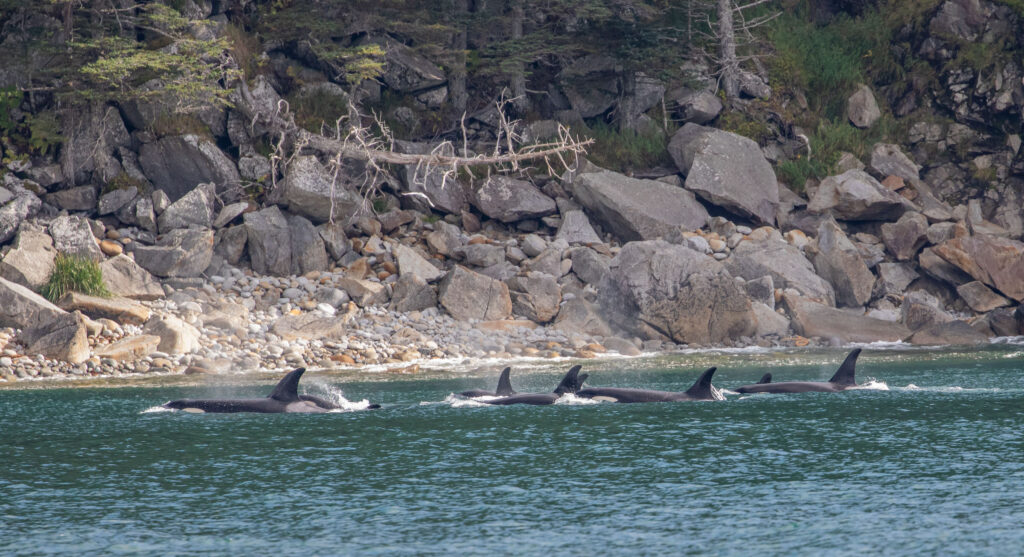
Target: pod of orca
{"points": [[286, 399]]}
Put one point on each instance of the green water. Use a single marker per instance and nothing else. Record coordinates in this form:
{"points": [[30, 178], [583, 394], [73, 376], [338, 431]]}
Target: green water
{"points": [[933, 465]]}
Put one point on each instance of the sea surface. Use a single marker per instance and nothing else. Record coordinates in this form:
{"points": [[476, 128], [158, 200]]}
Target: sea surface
{"points": [[928, 460]]}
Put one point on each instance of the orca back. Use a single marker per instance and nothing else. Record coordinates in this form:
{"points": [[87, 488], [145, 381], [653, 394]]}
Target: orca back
{"points": [[287, 390], [570, 383], [701, 390], [845, 375]]}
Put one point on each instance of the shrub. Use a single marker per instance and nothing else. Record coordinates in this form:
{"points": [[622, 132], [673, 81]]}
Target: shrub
{"points": [[627, 150], [74, 274]]}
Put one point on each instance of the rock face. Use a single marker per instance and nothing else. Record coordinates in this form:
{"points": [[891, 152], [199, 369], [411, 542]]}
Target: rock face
{"points": [[30, 261], [997, 262], [176, 336], [309, 191], [905, 237], [768, 321], [467, 295], [812, 319], [535, 296], [511, 200], [21, 308], [855, 195], [862, 109], [658, 290], [126, 278], [637, 209], [180, 253], [784, 263], [839, 262], [62, 338], [177, 164], [729, 171], [73, 236]]}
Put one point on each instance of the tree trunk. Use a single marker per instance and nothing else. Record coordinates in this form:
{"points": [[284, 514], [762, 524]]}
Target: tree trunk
{"points": [[518, 80], [457, 79], [625, 115], [727, 50]]}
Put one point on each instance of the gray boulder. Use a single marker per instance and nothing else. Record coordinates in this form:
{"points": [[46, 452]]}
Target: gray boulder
{"points": [[905, 237], [893, 279], [854, 195], [309, 326], [177, 164], [335, 240], [699, 107], [481, 255], [576, 229], [510, 200], [786, 265], [124, 277], [659, 290], [535, 296], [981, 298], [195, 208], [406, 71], [769, 322], [862, 109], [115, 200], [920, 309], [30, 260], [953, 332], [412, 293], [229, 212], [445, 239], [888, 160], [63, 338], [307, 248], [590, 266], [230, 243], [761, 290], [997, 262], [185, 252], [730, 171], [73, 236], [637, 209], [812, 319], [91, 137], [310, 190], [15, 212], [940, 269], [467, 295], [21, 308], [580, 317], [364, 293], [838, 261], [411, 262], [429, 188], [176, 336], [145, 216], [82, 198], [269, 242]]}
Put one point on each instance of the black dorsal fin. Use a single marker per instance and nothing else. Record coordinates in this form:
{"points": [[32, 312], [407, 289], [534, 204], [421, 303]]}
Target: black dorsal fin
{"points": [[766, 378], [570, 383], [844, 376], [504, 384], [287, 390], [702, 388], [579, 381]]}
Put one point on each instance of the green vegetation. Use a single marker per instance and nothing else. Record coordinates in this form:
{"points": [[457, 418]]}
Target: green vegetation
{"points": [[316, 109], [742, 124], [626, 150], [828, 142], [74, 274]]}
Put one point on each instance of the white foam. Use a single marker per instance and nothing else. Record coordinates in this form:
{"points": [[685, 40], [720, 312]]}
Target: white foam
{"points": [[572, 399], [336, 396], [156, 410], [872, 385]]}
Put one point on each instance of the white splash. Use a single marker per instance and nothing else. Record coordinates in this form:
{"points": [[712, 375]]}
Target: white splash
{"points": [[572, 399], [457, 401], [156, 410], [873, 385], [336, 396]]}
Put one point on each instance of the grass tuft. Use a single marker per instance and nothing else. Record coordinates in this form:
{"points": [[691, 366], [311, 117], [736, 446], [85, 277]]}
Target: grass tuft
{"points": [[624, 151], [74, 274]]}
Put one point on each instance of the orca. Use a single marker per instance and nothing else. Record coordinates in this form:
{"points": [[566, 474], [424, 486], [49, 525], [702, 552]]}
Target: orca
{"points": [[569, 384], [766, 378], [701, 390], [842, 380], [504, 387], [284, 399]]}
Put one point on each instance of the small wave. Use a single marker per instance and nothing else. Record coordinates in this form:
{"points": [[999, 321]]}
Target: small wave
{"points": [[728, 392], [336, 396], [156, 410], [873, 385], [569, 398]]}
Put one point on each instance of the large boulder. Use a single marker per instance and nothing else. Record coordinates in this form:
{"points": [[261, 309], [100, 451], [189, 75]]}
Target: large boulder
{"points": [[698, 107], [406, 71], [91, 136], [769, 322], [888, 160], [411, 262], [981, 298], [905, 237], [82, 198], [412, 293], [129, 348], [62, 338], [997, 262], [838, 261], [14, 212], [177, 164], [185, 252], [893, 279], [467, 295], [576, 229], [364, 292], [580, 317], [589, 266], [786, 265], [854, 195], [309, 326], [116, 199], [861, 108], [661, 290], [812, 319], [73, 236], [511, 200], [921, 309], [195, 208], [953, 332], [118, 309], [940, 269], [269, 239], [535, 296], [637, 209], [430, 188], [124, 277], [310, 190], [308, 251], [30, 260], [21, 307], [176, 336], [730, 171]]}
